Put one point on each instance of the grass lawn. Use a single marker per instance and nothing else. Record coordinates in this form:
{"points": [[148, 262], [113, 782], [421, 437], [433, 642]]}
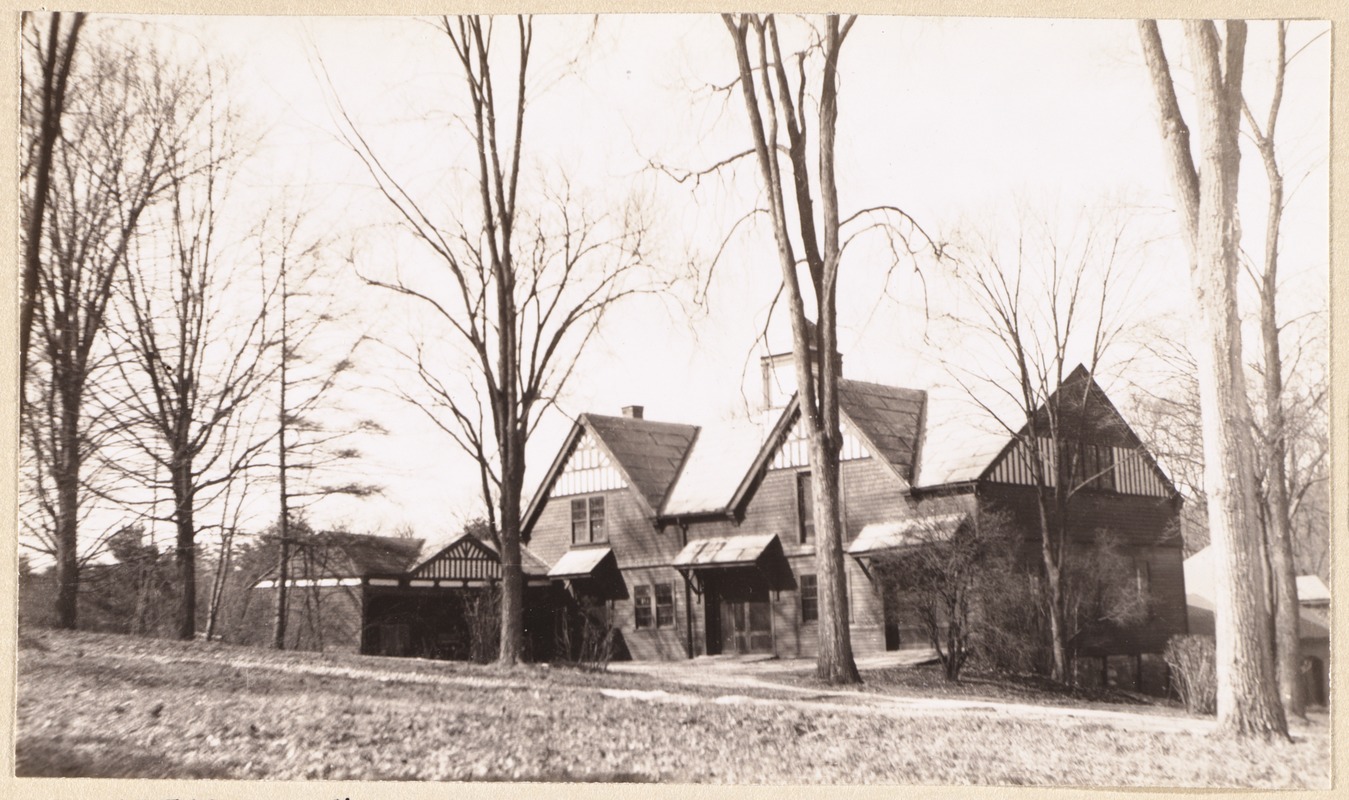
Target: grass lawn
{"points": [[109, 706]]}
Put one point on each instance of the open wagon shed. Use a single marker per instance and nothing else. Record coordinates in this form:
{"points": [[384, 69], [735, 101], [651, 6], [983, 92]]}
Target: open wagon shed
{"points": [[380, 595]]}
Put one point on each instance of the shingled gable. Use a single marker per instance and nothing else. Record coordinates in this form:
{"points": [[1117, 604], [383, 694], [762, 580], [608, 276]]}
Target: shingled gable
{"points": [[646, 453]]}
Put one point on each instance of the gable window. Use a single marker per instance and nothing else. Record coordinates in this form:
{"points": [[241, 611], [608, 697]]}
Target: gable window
{"points": [[665, 615], [1095, 467], [587, 520], [641, 606], [810, 601], [805, 508]]}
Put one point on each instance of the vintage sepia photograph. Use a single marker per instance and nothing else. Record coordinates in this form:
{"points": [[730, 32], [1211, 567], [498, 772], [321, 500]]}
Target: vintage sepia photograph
{"points": [[699, 398]]}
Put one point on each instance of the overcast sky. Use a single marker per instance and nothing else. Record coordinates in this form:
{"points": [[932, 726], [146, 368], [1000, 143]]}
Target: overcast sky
{"points": [[969, 125]]}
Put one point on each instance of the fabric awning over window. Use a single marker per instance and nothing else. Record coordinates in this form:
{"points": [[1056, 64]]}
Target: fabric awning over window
{"points": [[730, 551], [580, 563], [881, 536]]}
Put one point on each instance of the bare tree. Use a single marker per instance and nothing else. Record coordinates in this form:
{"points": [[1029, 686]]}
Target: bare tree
{"points": [[769, 97], [197, 339], [1248, 696], [53, 69], [525, 280], [125, 129], [1044, 305], [310, 450]]}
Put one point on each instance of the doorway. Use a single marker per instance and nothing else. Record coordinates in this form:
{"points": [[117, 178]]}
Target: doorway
{"points": [[739, 616]]}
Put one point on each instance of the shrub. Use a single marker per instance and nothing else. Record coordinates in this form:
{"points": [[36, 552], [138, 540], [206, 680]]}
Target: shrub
{"points": [[1193, 672], [482, 611]]}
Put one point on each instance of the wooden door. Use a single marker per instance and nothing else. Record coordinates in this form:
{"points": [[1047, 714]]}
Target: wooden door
{"points": [[747, 626]]}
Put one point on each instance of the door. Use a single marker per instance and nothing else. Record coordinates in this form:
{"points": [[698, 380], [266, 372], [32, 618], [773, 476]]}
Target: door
{"points": [[739, 618]]}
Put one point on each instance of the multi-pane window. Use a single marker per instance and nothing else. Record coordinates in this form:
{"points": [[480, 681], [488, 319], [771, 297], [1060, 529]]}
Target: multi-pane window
{"points": [[665, 615], [641, 605], [587, 520], [1095, 467], [805, 508], [810, 601]]}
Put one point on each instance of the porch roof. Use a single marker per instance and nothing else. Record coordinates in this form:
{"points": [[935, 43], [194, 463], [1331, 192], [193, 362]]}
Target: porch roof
{"points": [[729, 551], [580, 563], [881, 536]]}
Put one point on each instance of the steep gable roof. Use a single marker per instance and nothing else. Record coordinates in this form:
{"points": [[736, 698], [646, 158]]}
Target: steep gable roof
{"points": [[647, 452], [888, 418], [960, 448]]}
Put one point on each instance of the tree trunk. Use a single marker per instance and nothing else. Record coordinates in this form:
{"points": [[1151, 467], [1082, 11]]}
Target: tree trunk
{"points": [[834, 663], [1248, 700], [185, 552], [1287, 653], [1278, 516], [55, 73]]}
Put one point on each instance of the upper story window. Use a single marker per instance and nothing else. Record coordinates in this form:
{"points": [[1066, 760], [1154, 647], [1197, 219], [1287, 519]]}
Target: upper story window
{"points": [[805, 508], [587, 520], [1095, 467]]}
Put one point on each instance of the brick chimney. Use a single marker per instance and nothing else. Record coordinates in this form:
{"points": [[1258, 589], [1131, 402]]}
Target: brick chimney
{"points": [[632, 412]]}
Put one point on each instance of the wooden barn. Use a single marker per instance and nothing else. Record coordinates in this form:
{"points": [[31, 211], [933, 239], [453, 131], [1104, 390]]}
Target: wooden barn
{"points": [[379, 595], [699, 539]]}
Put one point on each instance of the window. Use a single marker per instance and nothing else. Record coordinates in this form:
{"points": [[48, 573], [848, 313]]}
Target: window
{"points": [[641, 605], [1143, 576], [1095, 467], [587, 520], [810, 604], [665, 615], [805, 508]]}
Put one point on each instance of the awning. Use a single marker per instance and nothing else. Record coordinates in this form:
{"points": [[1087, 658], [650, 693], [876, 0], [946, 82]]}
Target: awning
{"points": [[729, 551], [581, 563], [882, 536]]}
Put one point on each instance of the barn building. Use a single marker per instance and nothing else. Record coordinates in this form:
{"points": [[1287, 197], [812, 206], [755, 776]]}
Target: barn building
{"points": [[700, 541], [381, 595]]}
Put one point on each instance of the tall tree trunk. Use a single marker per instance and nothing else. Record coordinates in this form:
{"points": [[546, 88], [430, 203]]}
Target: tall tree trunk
{"points": [[1278, 516], [185, 551], [55, 73], [1287, 652], [1248, 700]]}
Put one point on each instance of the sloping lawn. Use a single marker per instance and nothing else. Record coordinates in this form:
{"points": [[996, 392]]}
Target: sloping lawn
{"points": [[107, 706]]}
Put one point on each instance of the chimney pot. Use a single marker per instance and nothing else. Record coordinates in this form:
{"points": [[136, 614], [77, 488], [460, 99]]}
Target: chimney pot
{"points": [[632, 412]]}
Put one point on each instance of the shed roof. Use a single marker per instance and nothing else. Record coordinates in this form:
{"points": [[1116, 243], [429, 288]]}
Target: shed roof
{"points": [[649, 453], [580, 563], [728, 551], [880, 536]]}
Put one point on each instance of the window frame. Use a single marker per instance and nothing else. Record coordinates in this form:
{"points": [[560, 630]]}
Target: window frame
{"points": [[805, 509], [808, 587], [643, 605], [658, 606], [584, 519]]}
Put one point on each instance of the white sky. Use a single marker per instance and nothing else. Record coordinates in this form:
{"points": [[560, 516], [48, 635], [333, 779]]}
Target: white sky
{"points": [[957, 121]]}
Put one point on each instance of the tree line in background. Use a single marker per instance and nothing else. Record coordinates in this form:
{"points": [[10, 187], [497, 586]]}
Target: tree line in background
{"points": [[164, 328]]}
